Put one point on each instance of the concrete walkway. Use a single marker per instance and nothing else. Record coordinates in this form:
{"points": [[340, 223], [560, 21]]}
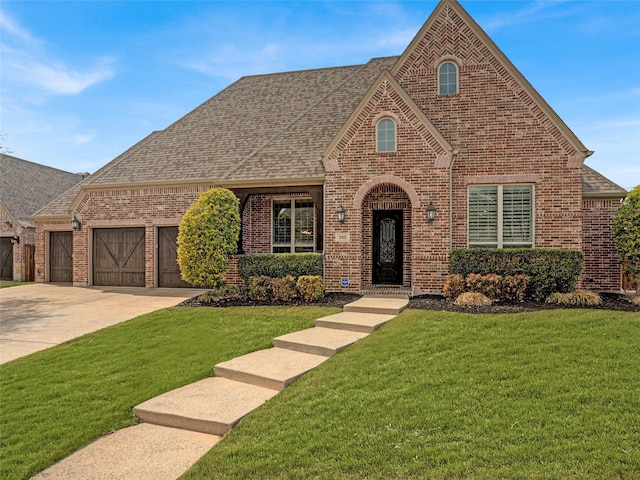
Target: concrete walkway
{"points": [[40, 315], [182, 425]]}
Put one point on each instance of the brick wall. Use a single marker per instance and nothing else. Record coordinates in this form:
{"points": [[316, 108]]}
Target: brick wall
{"points": [[501, 134], [602, 270]]}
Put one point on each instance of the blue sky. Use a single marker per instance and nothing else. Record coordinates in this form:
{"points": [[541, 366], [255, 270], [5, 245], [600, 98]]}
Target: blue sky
{"points": [[83, 81]]}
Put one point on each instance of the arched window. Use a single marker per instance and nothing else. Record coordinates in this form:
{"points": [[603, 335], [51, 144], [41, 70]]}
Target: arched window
{"points": [[448, 79], [386, 133]]}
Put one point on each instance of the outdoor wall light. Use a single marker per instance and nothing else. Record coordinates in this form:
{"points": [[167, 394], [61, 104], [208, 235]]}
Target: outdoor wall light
{"points": [[431, 213], [15, 239], [341, 211], [76, 224]]}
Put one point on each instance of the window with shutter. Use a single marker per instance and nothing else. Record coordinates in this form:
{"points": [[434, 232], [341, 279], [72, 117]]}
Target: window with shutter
{"points": [[501, 216], [293, 226]]}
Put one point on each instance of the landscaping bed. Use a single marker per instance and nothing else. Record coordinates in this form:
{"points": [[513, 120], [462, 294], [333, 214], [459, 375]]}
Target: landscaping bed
{"points": [[610, 301]]}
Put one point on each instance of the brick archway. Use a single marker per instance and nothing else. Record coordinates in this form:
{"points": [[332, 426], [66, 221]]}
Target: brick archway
{"points": [[385, 197], [370, 184]]}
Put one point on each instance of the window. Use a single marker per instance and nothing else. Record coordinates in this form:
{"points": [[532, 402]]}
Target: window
{"points": [[293, 226], [501, 216], [448, 79], [386, 135]]}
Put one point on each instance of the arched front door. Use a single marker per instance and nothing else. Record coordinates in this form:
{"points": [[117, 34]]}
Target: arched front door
{"points": [[387, 247]]}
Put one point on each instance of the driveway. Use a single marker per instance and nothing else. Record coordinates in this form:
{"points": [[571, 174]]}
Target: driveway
{"points": [[38, 316]]}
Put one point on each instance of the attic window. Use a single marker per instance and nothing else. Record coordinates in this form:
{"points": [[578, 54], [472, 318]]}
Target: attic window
{"points": [[448, 79], [386, 135]]}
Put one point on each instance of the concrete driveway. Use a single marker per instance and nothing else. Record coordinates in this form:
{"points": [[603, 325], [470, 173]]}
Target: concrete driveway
{"points": [[38, 316]]}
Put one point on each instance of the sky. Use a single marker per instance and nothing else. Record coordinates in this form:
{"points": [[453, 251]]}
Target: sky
{"points": [[82, 81]]}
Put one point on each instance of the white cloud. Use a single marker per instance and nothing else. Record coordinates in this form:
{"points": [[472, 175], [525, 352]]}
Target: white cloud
{"points": [[25, 62], [534, 11]]}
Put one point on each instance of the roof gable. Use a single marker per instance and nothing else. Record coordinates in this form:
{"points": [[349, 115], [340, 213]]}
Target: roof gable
{"points": [[386, 86], [450, 33]]}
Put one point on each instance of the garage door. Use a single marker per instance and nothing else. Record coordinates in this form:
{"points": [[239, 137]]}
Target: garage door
{"points": [[6, 259], [61, 257], [168, 267], [118, 257]]}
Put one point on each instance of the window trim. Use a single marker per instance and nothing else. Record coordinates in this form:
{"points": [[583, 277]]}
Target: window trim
{"points": [[457, 74], [292, 244], [500, 212], [395, 134]]}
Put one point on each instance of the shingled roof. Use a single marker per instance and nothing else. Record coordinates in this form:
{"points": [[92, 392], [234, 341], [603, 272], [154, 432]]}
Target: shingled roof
{"points": [[260, 128], [26, 187], [595, 185]]}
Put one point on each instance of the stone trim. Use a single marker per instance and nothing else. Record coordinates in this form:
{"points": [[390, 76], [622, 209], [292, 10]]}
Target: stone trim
{"points": [[388, 178], [501, 179]]}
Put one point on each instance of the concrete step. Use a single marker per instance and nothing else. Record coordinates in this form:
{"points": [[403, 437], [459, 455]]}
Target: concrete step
{"points": [[354, 321], [213, 405], [274, 368], [318, 340], [388, 305], [141, 452]]}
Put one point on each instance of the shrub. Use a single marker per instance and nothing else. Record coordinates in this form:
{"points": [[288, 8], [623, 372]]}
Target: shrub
{"points": [[283, 289], [514, 288], [259, 288], [208, 237], [472, 299], [454, 286], [310, 287], [278, 265], [635, 300], [581, 298], [550, 270], [626, 231], [488, 285], [222, 291]]}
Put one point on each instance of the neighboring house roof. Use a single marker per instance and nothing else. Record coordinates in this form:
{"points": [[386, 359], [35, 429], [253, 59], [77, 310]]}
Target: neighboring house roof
{"points": [[595, 185], [26, 187]]}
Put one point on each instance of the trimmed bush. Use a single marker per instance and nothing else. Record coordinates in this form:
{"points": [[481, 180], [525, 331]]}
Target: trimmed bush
{"points": [[283, 289], [310, 287], [454, 286], [580, 298], [508, 288], [259, 288], [472, 299], [278, 265], [208, 237], [550, 270]]}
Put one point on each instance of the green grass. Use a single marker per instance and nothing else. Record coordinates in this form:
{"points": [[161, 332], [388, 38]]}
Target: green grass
{"points": [[55, 401], [438, 395], [14, 284]]}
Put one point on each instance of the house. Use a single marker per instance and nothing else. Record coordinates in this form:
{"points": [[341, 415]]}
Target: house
{"points": [[384, 167], [25, 188]]}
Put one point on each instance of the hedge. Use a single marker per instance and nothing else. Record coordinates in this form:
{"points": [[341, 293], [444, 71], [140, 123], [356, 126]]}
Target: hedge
{"points": [[278, 265], [550, 270]]}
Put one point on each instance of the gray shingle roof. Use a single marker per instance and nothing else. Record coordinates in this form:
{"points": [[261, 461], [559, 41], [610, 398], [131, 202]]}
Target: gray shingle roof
{"points": [[263, 127], [26, 187], [595, 185]]}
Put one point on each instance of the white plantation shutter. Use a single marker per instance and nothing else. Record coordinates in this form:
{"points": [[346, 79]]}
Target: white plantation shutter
{"points": [[517, 215], [501, 216], [483, 216]]}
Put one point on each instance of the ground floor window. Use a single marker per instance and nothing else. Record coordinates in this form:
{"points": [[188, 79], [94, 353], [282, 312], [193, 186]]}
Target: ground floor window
{"points": [[293, 226], [501, 216]]}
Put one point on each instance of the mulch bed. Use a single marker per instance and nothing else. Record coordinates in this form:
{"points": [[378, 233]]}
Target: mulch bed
{"points": [[610, 301]]}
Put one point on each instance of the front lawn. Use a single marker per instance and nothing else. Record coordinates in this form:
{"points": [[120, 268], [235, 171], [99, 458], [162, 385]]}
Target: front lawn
{"points": [[55, 401], [440, 395]]}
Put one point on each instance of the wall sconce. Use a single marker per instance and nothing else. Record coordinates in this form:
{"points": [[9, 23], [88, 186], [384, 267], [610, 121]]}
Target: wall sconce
{"points": [[76, 224], [431, 213], [15, 239], [341, 211]]}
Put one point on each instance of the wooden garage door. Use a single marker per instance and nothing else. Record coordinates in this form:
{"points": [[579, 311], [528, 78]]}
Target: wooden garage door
{"points": [[61, 257], [6, 259], [168, 268], [118, 257]]}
